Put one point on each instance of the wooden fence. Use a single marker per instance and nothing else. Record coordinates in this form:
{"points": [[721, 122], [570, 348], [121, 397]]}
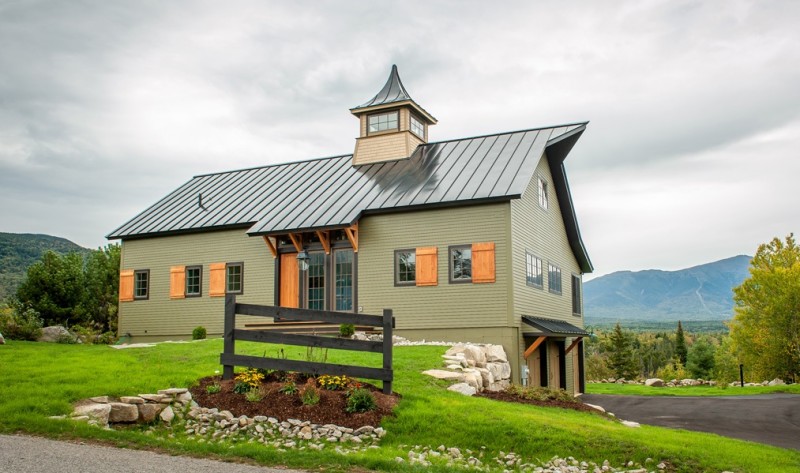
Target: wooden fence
{"points": [[229, 359]]}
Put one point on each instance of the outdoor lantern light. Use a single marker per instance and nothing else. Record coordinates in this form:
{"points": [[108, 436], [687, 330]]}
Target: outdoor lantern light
{"points": [[302, 259]]}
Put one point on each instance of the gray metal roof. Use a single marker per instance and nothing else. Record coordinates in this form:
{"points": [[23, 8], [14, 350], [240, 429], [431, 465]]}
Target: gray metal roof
{"points": [[332, 193], [392, 92], [554, 327]]}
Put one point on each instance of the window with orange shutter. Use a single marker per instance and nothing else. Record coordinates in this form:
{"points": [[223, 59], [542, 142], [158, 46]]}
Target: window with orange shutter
{"points": [[483, 258], [177, 282], [126, 285], [216, 279], [427, 266]]}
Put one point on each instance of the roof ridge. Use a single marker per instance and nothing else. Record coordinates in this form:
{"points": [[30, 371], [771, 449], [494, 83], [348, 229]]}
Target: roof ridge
{"points": [[285, 163]]}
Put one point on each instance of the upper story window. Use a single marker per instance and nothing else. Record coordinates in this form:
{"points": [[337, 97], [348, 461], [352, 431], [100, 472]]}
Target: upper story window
{"points": [[405, 267], [576, 295], [553, 278], [543, 197], [533, 271], [141, 284], [382, 122], [194, 275], [417, 127], [234, 278], [461, 263]]}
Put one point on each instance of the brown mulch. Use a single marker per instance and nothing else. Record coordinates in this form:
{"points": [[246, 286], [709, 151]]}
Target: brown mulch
{"points": [[508, 397], [329, 410]]}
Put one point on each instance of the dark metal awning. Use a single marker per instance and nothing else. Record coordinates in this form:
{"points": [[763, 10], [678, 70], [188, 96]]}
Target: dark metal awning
{"points": [[554, 328]]}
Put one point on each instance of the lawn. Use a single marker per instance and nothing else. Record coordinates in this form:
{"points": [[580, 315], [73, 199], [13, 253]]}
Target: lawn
{"points": [[640, 390], [41, 380]]}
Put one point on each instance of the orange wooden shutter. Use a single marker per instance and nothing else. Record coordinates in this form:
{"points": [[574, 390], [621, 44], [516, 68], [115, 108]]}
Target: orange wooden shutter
{"points": [[177, 282], [427, 269], [216, 284], [483, 263], [126, 285]]}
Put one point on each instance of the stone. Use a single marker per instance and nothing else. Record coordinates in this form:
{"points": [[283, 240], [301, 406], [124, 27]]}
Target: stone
{"points": [[54, 333], [488, 378], [456, 349], [121, 412], [99, 399], [630, 423], [172, 391], [185, 397], [95, 411], [167, 415], [131, 400], [495, 353], [148, 412], [499, 370], [776, 382], [654, 382], [152, 397], [474, 379], [474, 354], [2, 340], [463, 388], [498, 386], [690, 382], [593, 406], [446, 375]]}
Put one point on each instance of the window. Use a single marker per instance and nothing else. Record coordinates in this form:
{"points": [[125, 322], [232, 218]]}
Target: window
{"points": [[416, 127], [343, 277], [543, 199], [316, 281], [234, 278], [553, 278], [533, 271], [382, 122], [194, 275], [141, 284], [576, 295], [405, 267], [461, 263]]}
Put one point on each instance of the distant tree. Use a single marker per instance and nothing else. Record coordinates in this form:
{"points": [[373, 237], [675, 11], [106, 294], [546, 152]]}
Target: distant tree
{"points": [[54, 287], [701, 359], [621, 357], [101, 297], [765, 330], [726, 365], [680, 345]]}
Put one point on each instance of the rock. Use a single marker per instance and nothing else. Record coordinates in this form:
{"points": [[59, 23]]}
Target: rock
{"points": [[474, 379], [690, 382], [463, 388], [593, 406], [131, 400], [54, 333], [172, 391], [475, 354], [488, 379], [121, 412], [167, 415], [654, 382], [630, 423], [498, 386], [446, 375], [499, 370], [2, 340], [495, 353], [95, 411], [185, 397], [152, 397], [148, 412], [99, 399], [776, 382], [456, 349]]}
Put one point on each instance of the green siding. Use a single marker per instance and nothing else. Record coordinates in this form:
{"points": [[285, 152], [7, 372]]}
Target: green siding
{"points": [[160, 317]]}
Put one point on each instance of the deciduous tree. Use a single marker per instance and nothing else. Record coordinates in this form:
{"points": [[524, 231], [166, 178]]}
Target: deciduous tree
{"points": [[621, 358]]}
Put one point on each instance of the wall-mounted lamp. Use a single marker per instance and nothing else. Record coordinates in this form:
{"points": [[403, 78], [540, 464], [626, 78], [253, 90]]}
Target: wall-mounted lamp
{"points": [[302, 259]]}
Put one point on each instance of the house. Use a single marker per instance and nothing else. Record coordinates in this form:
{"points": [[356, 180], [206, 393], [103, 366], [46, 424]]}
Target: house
{"points": [[472, 239]]}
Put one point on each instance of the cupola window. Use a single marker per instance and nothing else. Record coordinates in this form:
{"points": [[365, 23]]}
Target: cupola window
{"points": [[383, 122], [417, 127]]}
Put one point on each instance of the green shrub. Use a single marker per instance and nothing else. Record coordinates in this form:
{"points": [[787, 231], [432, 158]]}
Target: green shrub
{"points": [[537, 393], [310, 395], [360, 400], [289, 388], [18, 324], [199, 333], [347, 330], [213, 388], [254, 395], [88, 334], [67, 339]]}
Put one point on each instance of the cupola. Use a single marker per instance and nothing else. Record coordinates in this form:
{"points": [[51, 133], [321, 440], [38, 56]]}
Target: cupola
{"points": [[392, 124]]}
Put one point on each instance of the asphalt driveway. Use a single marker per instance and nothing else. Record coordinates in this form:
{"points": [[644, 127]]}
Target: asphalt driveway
{"points": [[773, 419]]}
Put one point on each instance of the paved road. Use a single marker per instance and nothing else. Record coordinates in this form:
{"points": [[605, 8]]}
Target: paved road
{"points": [[773, 419], [33, 454]]}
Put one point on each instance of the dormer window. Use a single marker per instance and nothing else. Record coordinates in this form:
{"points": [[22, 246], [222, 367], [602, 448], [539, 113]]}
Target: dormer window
{"points": [[383, 122], [417, 127]]}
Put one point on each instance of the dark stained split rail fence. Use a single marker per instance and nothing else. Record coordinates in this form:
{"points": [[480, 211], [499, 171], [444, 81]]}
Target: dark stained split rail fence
{"points": [[229, 359]]}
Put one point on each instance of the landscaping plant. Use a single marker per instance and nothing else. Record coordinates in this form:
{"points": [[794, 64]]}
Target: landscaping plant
{"points": [[333, 383], [347, 330], [247, 380], [199, 333], [360, 400]]}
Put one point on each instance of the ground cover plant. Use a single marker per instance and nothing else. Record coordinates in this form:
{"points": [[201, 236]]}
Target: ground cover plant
{"points": [[641, 390], [41, 380]]}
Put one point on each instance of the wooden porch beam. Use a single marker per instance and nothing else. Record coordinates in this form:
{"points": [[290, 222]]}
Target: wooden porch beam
{"points": [[324, 238], [534, 346], [297, 241], [573, 345], [272, 248], [352, 235]]}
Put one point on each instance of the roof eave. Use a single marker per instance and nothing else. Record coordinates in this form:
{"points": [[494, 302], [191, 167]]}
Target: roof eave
{"points": [[357, 111]]}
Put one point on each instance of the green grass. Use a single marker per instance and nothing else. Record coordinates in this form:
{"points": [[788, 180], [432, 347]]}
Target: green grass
{"points": [[640, 390], [41, 380]]}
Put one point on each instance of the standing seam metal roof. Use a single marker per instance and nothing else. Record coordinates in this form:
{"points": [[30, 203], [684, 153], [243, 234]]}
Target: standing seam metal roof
{"points": [[332, 193]]}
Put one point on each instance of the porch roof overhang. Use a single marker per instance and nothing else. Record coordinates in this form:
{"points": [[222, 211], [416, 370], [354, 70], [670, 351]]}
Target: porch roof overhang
{"points": [[553, 328]]}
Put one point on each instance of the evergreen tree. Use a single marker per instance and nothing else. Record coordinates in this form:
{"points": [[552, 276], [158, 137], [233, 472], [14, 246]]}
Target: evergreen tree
{"points": [[680, 345], [701, 359], [621, 358]]}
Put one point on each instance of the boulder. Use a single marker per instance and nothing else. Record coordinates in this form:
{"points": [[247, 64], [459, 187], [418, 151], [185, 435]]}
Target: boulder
{"points": [[463, 388], [776, 382], [54, 333], [474, 379], [498, 386], [131, 400], [148, 412], [499, 370], [474, 354], [487, 376], [96, 411], [495, 353], [654, 382], [594, 406], [122, 412], [167, 415], [690, 382], [630, 423], [456, 349], [446, 375]]}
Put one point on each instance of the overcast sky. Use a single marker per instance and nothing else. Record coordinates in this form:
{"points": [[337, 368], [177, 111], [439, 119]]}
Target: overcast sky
{"points": [[691, 154]]}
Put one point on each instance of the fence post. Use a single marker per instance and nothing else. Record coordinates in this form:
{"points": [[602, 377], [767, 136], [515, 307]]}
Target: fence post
{"points": [[230, 325], [387, 349]]}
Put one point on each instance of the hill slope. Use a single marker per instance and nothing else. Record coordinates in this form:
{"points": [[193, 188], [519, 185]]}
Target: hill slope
{"points": [[699, 293], [18, 251]]}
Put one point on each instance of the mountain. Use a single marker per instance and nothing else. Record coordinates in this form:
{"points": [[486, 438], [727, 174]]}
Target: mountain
{"points": [[18, 251], [699, 293]]}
